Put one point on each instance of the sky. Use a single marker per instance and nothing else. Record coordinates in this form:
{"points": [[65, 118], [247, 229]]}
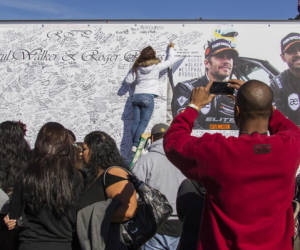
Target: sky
{"points": [[155, 9]]}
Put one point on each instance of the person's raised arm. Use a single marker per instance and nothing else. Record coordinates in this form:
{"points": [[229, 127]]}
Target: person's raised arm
{"points": [[170, 58], [181, 148], [278, 122]]}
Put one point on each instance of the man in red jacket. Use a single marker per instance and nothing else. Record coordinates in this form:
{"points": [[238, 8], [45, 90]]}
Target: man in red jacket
{"points": [[249, 179]]}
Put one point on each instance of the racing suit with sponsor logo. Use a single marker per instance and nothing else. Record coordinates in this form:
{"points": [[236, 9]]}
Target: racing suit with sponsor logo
{"points": [[286, 89], [219, 114]]}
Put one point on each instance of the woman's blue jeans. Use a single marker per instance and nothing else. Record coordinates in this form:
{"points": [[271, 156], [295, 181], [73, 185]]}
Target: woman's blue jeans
{"points": [[143, 105]]}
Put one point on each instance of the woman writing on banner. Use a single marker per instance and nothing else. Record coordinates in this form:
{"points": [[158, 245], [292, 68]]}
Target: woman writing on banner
{"points": [[145, 72]]}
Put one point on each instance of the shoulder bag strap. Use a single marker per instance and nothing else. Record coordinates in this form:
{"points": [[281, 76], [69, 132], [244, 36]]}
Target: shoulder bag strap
{"points": [[106, 171]]}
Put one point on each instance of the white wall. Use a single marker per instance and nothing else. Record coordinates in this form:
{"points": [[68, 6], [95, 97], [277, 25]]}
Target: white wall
{"points": [[72, 72]]}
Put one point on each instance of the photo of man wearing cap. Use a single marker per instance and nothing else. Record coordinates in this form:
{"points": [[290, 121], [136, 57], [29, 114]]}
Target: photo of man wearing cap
{"points": [[286, 86], [219, 59]]}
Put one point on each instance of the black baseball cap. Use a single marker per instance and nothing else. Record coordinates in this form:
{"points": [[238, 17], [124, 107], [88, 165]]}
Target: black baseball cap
{"points": [[159, 128], [218, 46], [289, 40]]}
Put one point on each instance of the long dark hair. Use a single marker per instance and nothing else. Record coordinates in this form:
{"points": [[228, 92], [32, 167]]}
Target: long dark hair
{"points": [[14, 154], [50, 180], [146, 54], [103, 153]]}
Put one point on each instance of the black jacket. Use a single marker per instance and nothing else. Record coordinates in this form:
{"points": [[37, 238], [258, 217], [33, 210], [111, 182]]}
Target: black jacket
{"points": [[190, 204]]}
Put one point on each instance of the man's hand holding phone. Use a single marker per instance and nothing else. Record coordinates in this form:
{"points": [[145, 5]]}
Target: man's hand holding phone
{"points": [[226, 88], [221, 88], [201, 96], [204, 95], [235, 83]]}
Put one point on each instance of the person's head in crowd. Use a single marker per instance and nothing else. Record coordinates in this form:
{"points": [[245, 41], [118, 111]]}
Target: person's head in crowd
{"points": [[100, 152], [158, 131], [14, 153], [51, 175], [53, 140], [71, 135], [290, 52], [220, 57], [147, 54], [254, 104], [79, 162]]}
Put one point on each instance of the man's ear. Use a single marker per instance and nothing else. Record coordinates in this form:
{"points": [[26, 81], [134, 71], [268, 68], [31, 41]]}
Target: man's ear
{"points": [[206, 62], [237, 115]]}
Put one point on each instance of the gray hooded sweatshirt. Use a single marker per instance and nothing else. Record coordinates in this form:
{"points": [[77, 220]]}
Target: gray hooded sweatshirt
{"points": [[158, 172]]}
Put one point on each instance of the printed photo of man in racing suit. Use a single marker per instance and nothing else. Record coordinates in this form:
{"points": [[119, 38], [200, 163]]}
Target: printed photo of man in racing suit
{"points": [[219, 114], [286, 86]]}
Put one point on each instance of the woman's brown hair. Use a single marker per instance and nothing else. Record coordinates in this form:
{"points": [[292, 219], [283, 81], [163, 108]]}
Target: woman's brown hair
{"points": [[146, 54]]}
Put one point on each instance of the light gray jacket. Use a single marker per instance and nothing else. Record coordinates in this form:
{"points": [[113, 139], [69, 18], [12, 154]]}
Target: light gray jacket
{"points": [[94, 228], [158, 172]]}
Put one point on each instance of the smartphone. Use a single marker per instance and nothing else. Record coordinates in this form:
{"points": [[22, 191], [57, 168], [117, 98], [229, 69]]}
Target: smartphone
{"points": [[221, 88]]}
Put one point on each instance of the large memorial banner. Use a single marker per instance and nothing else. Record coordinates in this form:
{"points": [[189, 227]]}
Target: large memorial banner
{"points": [[73, 72]]}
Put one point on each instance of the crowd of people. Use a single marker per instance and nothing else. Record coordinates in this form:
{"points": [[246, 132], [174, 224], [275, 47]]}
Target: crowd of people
{"points": [[226, 193], [43, 189]]}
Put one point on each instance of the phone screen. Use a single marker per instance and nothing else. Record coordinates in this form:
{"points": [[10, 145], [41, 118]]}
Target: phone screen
{"points": [[221, 88]]}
